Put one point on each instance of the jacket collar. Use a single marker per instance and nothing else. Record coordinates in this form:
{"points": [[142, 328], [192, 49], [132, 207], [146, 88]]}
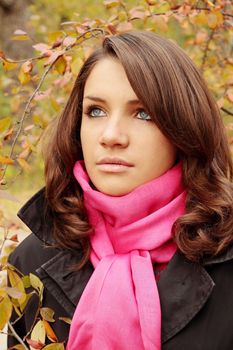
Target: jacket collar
{"points": [[37, 215], [184, 287]]}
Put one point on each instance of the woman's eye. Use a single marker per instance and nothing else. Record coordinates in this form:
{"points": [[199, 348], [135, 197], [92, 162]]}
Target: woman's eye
{"points": [[95, 112], [143, 115]]}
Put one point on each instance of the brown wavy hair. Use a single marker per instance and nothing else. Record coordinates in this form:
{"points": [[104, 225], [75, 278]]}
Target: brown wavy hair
{"points": [[174, 93]]}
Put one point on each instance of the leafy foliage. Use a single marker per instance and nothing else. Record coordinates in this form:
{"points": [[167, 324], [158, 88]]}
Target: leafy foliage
{"points": [[33, 91]]}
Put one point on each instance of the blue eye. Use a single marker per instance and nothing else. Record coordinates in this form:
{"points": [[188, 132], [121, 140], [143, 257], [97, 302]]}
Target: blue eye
{"points": [[95, 112], [143, 115]]}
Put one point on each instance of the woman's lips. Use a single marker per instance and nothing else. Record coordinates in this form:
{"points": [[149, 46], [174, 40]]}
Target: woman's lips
{"points": [[113, 165]]}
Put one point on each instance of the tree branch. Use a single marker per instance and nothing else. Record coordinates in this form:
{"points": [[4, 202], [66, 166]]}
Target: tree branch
{"points": [[17, 336], [28, 104], [227, 111], [206, 49]]}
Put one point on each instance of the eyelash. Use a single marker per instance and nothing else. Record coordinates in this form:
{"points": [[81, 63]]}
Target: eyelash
{"points": [[93, 107]]}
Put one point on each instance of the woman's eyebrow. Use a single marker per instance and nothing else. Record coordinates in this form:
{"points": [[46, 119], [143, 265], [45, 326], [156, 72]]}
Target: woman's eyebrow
{"points": [[99, 99]]}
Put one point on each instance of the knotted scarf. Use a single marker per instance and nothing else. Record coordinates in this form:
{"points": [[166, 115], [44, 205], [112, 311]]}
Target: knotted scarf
{"points": [[120, 307]]}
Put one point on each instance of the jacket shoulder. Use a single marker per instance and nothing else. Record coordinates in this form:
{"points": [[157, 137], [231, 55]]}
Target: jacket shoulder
{"points": [[30, 254]]}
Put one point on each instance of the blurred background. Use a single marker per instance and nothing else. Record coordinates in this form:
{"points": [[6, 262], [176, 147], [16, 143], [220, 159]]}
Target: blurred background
{"points": [[42, 46], [32, 37]]}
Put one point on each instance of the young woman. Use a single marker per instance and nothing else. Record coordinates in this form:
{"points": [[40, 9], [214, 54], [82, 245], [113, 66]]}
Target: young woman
{"points": [[132, 235]]}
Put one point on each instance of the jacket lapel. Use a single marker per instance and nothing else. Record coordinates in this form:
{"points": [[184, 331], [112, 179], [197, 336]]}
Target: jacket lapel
{"points": [[65, 284], [184, 288]]}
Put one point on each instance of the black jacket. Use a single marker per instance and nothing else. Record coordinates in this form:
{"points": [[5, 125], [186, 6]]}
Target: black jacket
{"points": [[196, 300]]}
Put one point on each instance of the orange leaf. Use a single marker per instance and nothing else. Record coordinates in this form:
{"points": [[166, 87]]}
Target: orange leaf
{"points": [[6, 160], [112, 28], [49, 331], [230, 97]]}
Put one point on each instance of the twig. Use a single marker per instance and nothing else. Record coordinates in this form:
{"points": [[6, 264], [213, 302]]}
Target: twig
{"points": [[225, 14], [226, 111], [207, 49], [9, 60], [17, 336], [4, 240], [25, 112]]}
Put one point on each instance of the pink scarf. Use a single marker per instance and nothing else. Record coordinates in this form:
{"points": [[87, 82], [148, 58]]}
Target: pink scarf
{"points": [[120, 307]]}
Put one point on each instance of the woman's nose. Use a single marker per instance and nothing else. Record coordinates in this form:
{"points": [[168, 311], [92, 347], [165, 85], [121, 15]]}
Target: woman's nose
{"points": [[114, 133]]}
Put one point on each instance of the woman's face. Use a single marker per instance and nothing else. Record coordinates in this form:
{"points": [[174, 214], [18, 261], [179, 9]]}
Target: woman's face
{"points": [[122, 146]]}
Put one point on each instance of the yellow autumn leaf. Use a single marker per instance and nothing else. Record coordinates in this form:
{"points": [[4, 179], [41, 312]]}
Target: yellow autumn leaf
{"points": [[20, 37], [5, 311], [200, 18], [27, 67], [24, 78], [54, 346], [76, 65], [160, 23], [24, 164], [39, 120], [55, 104], [214, 19], [26, 281], [5, 124], [17, 283], [65, 319], [28, 296], [38, 333], [36, 283], [111, 3], [60, 65], [162, 7], [19, 347], [8, 65], [6, 160], [47, 314], [53, 36]]}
